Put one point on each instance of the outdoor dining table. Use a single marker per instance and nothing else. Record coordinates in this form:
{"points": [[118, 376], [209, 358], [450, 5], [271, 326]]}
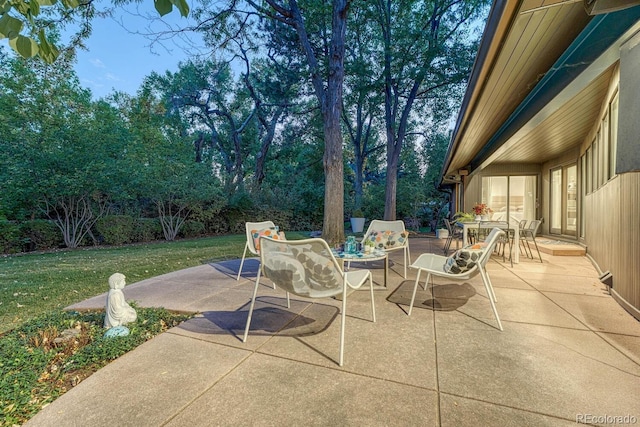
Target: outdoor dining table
{"points": [[503, 225], [375, 255]]}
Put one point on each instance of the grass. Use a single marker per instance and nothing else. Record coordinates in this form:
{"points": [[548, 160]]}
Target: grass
{"points": [[32, 284], [35, 368]]}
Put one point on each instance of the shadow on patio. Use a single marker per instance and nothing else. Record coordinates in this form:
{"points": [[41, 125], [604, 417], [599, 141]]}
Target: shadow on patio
{"points": [[568, 352]]}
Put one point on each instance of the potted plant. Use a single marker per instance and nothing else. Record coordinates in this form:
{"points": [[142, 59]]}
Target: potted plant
{"points": [[368, 247], [357, 221], [463, 217], [481, 211], [442, 233]]}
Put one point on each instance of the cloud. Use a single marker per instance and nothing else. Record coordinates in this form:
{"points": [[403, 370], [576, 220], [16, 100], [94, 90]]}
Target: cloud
{"points": [[97, 63], [112, 77], [92, 83]]}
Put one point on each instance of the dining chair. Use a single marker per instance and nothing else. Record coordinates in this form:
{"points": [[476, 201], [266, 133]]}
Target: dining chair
{"points": [[481, 232], [464, 264], [389, 236], [254, 230], [308, 268], [455, 233], [507, 240], [528, 234]]}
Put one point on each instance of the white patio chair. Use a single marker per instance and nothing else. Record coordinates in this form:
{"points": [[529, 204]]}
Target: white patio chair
{"points": [[254, 230], [462, 265], [389, 236], [529, 235], [307, 268], [455, 233]]}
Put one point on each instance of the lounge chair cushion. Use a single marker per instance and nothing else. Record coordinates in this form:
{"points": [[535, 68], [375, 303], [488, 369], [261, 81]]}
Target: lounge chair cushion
{"points": [[388, 239], [462, 260], [269, 232]]}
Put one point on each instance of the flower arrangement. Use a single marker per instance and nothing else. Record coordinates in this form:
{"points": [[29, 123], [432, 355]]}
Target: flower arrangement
{"points": [[481, 209]]}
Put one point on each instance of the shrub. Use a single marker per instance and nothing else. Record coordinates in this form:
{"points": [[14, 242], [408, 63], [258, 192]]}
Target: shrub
{"points": [[41, 234], [11, 239], [218, 225], [116, 229], [193, 229], [147, 230]]}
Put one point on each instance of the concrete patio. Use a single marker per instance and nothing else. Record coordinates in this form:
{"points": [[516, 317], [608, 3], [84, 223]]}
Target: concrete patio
{"points": [[569, 353]]}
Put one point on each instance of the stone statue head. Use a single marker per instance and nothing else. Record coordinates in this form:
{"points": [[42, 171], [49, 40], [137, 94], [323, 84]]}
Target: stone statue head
{"points": [[116, 281]]}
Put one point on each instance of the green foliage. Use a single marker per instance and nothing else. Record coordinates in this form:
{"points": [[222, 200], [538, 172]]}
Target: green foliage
{"points": [[28, 24], [464, 217], [116, 229], [28, 236], [35, 368], [204, 150], [193, 229], [40, 234], [147, 230], [11, 240]]}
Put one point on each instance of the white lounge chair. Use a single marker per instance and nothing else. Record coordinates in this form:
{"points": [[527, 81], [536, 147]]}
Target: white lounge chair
{"points": [[254, 230], [462, 265], [307, 268], [389, 236]]}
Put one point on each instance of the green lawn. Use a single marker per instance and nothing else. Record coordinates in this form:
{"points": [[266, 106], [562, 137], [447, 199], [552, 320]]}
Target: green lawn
{"points": [[35, 369], [35, 283]]}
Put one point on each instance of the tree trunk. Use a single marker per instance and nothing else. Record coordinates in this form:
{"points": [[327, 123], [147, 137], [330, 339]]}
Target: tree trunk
{"points": [[391, 186], [330, 101], [333, 227]]}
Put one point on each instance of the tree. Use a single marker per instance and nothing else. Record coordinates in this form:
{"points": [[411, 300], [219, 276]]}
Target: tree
{"points": [[271, 83], [62, 148], [363, 97], [162, 165], [427, 46], [217, 116], [35, 17], [326, 74]]}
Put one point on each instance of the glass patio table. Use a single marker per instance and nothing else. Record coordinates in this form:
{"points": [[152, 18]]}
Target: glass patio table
{"points": [[375, 255]]}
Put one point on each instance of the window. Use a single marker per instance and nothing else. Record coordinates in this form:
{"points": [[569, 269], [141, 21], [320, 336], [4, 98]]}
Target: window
{"points": [[605, 148], [613, 138], [512, 198], [564, 200], [589, 171], [555, 222], [595, 163], [600, 162], [583, 193]]}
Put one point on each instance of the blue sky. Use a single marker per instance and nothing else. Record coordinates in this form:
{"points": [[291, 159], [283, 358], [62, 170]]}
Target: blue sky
{"points": [[118, 59]]}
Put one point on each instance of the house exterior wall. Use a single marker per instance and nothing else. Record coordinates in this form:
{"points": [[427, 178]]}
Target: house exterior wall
{"points": [[608, 196], [613, 236]]}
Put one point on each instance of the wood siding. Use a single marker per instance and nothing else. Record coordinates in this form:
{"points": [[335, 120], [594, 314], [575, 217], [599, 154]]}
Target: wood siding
{"points": [[613, 235]]}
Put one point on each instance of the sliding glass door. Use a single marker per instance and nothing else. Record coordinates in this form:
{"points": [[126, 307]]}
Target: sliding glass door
{"points": [[512, 198], [564, 198]]}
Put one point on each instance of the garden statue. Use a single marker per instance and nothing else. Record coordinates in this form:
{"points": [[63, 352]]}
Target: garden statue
{"points": [[118, 311]]}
